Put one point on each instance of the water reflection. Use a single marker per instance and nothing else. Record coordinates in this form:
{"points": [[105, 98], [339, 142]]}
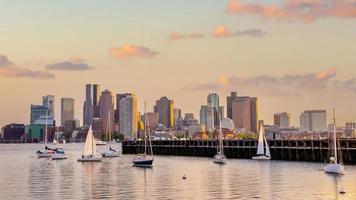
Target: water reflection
{"points": [[23, 176]]}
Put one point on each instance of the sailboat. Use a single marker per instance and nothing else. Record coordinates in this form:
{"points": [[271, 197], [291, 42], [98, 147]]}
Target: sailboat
{"points": [[59, 153], [89, 152], [144, 160], [334, 167], [47, 153], [111, 153], [220, 158], [262, 145]]}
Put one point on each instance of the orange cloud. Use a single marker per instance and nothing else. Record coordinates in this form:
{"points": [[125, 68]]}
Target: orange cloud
{"points": [[176, 36], [305, 10], [132, 51], [325, 75], [222, 32]]}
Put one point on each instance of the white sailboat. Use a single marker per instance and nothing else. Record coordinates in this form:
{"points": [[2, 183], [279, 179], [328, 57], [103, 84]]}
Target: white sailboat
{"points": [[47, 153], [262, 145], [144, 160], [111, 153], [89, 153], [59, 153], [220, 157], [334, 167]]}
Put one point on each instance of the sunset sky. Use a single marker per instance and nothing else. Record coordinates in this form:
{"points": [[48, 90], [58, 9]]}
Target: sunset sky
{"points": [[293, 55]]}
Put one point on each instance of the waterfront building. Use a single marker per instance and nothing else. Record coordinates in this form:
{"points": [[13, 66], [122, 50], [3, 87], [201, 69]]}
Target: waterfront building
{"points": [[243, 110], [282, 120], [227, 123], [164, 107], [91, 103], [36, 132], [313, 120], [36, 112], [128, 117], [13, 131], [67, 110], [106, 105]]}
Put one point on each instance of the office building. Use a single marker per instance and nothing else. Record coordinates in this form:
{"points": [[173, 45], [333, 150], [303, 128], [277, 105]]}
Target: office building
{"points": [[282, 120], [164, 108], [128, 117], [313, 120], [67, 110], [106, 105], [91, 103]]}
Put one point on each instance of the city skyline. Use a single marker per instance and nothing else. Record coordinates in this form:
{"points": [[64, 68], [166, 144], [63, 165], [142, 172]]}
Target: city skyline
{"points": [[292, 63]]}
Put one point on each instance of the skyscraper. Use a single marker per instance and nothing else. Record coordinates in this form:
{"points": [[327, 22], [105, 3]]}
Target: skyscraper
{"points": [[96, 93], [164, 107], [282, 120], [48, 101], [106, 106], [213, 101], [37, 112], [128, 116], [117, 110], [67, 110], [243, 111], [91, 105]]}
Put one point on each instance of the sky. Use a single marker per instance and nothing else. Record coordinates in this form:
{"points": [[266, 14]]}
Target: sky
{"points": [[293, 55]]}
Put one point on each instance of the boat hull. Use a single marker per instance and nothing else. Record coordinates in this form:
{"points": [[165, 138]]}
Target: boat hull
{"points": [[261, 158], [334, 169], [219, 159], [110, 154], [142, 163], [89, 160]]}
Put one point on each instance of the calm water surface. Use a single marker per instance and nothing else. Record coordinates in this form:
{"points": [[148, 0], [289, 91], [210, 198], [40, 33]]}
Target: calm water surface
{"points": [[23, 176]]}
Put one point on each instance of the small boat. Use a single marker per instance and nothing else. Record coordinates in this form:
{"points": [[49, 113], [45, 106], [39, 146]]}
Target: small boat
{"points": [[100, 142], [334, 167], [220, 158], [262, 145], [59, 154], [144, 160], [112, 153], [89, 153], [47, 153], [184, 177]]}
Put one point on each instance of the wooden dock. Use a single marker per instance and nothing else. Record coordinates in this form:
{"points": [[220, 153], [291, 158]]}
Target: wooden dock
{"points": [[293, 150]]}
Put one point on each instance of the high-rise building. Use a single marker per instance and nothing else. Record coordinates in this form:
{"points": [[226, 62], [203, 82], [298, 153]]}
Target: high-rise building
{"points": [[67, 110], [282, 120], [117, 110], [243, 110], [96, 93], [164, 107], [313, 120], [106, 105], [128, 116], [91, 103], [48, 101], [37, 112], [221, 113], [213, 101]]}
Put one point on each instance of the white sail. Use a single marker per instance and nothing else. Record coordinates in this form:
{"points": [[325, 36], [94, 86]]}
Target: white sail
{"points": [[89, 145], [260, 149], [268, 153]]}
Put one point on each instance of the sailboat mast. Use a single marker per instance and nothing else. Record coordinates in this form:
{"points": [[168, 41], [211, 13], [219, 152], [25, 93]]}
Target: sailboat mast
{"points": [[335, 150], [220, 137], [46, 120], [145, 116]]}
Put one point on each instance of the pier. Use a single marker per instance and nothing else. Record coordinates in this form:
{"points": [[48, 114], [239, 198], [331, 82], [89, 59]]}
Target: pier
{"points": [[291, 150]]}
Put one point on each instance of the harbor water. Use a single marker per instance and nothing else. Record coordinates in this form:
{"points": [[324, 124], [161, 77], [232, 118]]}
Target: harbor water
{"points": [[24, 176]]}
